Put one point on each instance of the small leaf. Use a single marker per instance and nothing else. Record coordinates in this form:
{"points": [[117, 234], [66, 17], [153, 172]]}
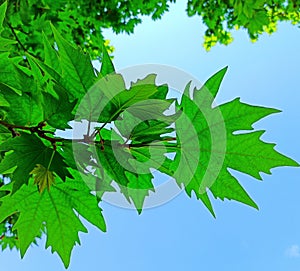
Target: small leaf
{"points": [[43, 177], [107, 66]]}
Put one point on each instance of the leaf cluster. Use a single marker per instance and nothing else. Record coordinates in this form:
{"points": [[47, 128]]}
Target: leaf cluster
{"points": [[53, 181], [257, 17], [81, 22]]}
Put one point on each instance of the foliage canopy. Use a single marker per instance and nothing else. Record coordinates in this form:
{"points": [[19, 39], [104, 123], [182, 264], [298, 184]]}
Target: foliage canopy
{"points": [[81, 21], [47, 85]]}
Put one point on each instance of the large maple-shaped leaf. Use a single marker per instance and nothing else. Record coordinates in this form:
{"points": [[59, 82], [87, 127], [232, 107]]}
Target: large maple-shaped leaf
{"points": [[209, 146], [54, 208], [23, 153]]}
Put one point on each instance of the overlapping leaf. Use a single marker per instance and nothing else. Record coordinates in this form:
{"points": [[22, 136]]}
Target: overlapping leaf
{"points": [[112, 97], [4, 42], [69, 67], [58, 111], [43, 177], [24, 109], [114, 159], [146, 122], [23, 153]]}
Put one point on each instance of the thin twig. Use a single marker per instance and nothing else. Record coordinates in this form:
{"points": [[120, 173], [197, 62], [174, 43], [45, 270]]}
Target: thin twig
{"points": [[16, 37], [86, 139]]}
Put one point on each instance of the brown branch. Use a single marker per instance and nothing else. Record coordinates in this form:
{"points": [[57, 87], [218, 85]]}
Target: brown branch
{"points": [[33, 129], [42, 133], [16, 37], [86, 139]]}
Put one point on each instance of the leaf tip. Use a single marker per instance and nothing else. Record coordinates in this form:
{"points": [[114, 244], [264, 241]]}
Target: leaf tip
{"points": [[225, 69]]}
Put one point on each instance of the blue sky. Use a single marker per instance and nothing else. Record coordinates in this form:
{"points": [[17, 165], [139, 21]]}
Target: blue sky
{"points": [[181, 234]]}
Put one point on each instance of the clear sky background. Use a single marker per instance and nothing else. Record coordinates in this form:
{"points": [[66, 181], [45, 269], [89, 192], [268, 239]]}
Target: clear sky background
{"points": [[181, 234]]}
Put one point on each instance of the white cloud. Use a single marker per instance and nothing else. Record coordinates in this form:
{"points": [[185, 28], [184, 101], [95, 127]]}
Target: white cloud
{"points": [[293, 251]]}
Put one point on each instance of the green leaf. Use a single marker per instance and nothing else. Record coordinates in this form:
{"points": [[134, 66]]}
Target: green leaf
{"points": [[2, 14], [121, 99], [76, 67], [146, 131], [77, 155], [114, 160], [4, 133], [138, 188], [43, 177], [108, 98], [241, 116], [51, 55], [24, 109], [107, 66], [227, 186], [152, 159], [11, 75], [54, 208], [4, 43], [249, 154], [96, 105], [58, 112], [23, 153], [146, 122], [212, 85], [258, 22], [207, 146], [3, 101]]}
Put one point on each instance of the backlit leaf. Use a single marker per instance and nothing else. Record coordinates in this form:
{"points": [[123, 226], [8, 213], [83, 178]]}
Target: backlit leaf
{"points": [[54, 208], [208, 146], [43, 177]]}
